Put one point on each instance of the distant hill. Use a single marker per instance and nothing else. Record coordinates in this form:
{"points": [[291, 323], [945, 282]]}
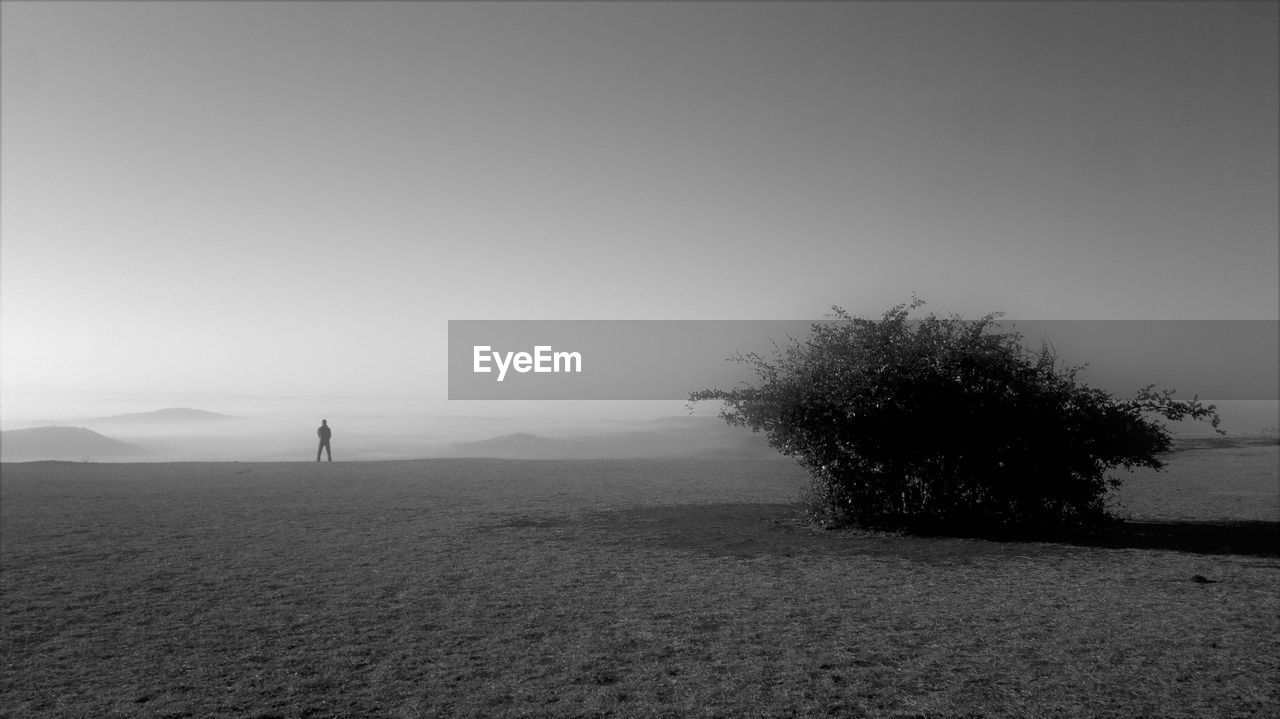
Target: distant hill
{"points": [[669, 437], [75, 443], [169, 415]]}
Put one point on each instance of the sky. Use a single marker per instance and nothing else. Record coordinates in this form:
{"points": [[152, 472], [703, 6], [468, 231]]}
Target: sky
{"points": [[293, 199]]}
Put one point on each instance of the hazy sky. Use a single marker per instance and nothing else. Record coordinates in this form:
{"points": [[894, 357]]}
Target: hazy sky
{"points": [[295, 197]]}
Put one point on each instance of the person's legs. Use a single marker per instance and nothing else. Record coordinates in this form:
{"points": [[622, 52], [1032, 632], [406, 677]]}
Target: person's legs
{"points": [[329, 451], [319, 450]]}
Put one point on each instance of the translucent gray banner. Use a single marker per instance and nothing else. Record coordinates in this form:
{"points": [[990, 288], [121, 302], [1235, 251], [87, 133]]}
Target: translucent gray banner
{"points": [[668, 359]]}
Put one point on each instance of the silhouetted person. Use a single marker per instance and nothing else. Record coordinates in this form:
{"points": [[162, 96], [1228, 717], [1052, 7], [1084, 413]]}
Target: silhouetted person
{"points": [[324, 433]]}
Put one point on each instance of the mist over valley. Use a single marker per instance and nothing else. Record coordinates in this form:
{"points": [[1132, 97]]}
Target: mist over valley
{"points": [[189, 434], [280, 432]]}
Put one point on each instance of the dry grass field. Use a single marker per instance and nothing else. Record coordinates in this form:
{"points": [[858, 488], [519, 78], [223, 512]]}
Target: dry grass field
{"points": [[648, 588]]}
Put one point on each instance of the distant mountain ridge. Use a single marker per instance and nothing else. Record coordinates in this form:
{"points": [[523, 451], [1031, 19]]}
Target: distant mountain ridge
{"points": [[169, 414], [76, 443], [666, 437]]}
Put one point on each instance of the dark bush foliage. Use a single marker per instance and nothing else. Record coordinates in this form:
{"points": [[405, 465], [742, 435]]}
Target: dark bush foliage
{"points": [[947, 423]]}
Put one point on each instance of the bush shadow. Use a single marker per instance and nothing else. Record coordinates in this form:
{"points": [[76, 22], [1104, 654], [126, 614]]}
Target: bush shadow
{"points": [[752, 530], [1254, 538], [1240, 537]]}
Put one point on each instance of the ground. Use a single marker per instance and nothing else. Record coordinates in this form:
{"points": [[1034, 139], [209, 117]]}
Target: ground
{"points": [[480, 588]]}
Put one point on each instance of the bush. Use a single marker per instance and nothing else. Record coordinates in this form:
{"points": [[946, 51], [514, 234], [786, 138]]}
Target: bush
{"points": [[947, 422]]}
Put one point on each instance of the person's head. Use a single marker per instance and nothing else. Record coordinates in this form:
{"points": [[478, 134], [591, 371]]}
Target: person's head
{"points": [[324, 421]]}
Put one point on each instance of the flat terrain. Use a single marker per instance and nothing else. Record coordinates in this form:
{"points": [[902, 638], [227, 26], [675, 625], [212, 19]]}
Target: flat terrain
{"points": [[482, 588]]}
